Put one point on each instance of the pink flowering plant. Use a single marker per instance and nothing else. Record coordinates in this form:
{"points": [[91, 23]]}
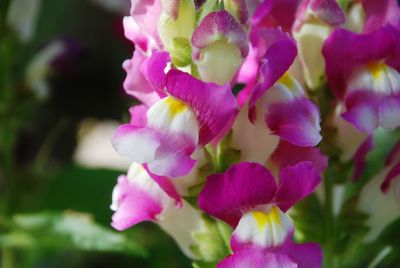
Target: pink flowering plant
{"points": [[267, 131]]}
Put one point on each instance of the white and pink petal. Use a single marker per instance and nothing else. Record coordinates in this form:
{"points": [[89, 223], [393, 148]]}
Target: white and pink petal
{"points": [[137, 197]]}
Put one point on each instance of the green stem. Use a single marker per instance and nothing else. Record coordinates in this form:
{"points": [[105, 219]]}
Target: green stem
{"points": [[329, 224]]}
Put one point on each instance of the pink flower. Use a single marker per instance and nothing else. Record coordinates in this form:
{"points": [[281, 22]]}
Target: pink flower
{"points": [[363, 71], [191, 115], [247, 197]]}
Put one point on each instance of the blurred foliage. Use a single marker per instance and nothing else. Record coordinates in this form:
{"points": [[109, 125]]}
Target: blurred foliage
{"points": [[55, 213]]}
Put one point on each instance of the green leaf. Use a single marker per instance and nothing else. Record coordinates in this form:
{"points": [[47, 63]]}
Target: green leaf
{"points": [[181, 52], [67, 230]]}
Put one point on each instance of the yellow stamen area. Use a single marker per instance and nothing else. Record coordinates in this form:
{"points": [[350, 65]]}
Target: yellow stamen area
{"points": [[175, 106], [287, 81], [262, 219], [376, 69]]}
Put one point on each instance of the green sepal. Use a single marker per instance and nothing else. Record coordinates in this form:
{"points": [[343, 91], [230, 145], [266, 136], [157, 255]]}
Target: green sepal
{"points": [[212, 244], [181, 52]]}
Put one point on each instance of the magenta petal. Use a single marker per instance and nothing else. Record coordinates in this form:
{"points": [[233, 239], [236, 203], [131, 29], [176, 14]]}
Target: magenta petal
{"points": [[280, 53], [214, 105], [138, 115], [135, 83], [345, 51], [274, 14], [257, 258], [288, 154], [307, 255], [379, 13], [363, 110], [153, 69], [360, 156], [393, 173], [296, 121], [242, 187], [297, 182], [219, 24], [135, 205]]}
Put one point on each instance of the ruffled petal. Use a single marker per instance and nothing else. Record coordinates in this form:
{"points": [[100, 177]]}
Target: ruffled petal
{"points": [[288, 154], [297, 182], [135, 83], [241, 188], [214, 105], [296, 121], [345, 52]]}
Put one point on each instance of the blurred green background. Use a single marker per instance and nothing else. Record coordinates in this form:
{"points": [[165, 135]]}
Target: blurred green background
{"points": [[55, 212]]}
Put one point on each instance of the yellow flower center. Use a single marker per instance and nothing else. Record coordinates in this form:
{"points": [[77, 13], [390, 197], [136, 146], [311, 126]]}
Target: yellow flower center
{"points": [[287, 81], [271, 218], [377, 69], [175, 106]]}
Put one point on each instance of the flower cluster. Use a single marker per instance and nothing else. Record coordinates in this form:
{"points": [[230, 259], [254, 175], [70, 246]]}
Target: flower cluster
{"points": [[233, 94]]}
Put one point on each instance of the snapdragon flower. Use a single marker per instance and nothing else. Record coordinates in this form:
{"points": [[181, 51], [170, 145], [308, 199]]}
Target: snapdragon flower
{"points": [[250, 201], [191, 115], [276, 96], [364, 74]]}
